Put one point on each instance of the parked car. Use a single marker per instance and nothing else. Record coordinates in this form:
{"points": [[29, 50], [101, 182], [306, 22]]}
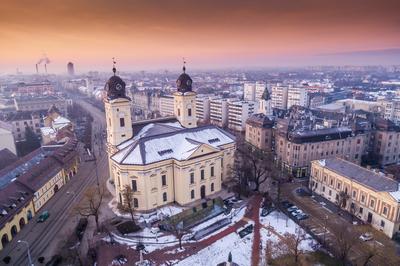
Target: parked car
{"points": [[43, 217], [293, 208], [286, 204], [247, 230], [301, 216], [303, 192], [366, 236], [264, 212]]}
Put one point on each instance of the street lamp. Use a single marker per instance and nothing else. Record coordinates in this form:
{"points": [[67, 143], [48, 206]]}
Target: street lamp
{"points": [[29, 252]]}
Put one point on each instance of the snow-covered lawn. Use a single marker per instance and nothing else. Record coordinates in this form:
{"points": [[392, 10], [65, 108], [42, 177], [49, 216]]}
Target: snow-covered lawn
{"points": [[218, 252], [281, 224]]}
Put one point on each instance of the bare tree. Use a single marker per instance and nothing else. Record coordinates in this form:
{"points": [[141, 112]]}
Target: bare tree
{"points": [[344, 241], [341, 202], [259, 163], [179, 232], [127, 194], [91, 203], [370, 252], [289, 244]]}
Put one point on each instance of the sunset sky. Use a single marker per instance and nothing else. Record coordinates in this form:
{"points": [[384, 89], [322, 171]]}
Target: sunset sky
{"points": [[211, 34]]}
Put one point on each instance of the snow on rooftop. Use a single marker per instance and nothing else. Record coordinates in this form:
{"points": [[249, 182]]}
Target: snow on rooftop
{"points": [[178, 145]]}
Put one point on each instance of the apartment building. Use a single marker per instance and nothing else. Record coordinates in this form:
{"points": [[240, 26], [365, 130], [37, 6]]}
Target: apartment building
{"points": [[219, 112], [167, 105], [386, 142], [21, 120], [239, 112], [259, 132], [203, 108], [371, 196], [279, 96], [391, 110], [297, 96], [295, 149], [40, 103], [252, 91]]}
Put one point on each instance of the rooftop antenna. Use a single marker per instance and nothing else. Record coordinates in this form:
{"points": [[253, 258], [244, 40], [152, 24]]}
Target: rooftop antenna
{"points": [[184, 65], [114, 69]]}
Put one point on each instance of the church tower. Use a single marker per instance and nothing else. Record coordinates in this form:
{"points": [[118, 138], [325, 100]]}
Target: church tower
{"points": [[265, 103], [118, 112], [185, 101]]}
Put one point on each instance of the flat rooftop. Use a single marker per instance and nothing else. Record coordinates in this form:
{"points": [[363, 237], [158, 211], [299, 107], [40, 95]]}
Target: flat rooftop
{"points": [[361, 175]]}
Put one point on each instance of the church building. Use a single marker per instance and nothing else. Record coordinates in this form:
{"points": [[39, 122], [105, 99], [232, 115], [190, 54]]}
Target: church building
{"points": [[164, 160]]}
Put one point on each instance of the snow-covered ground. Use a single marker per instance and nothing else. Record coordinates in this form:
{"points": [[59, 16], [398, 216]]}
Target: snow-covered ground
{"points": [[282, 224], [159, 214], [218, 252]]}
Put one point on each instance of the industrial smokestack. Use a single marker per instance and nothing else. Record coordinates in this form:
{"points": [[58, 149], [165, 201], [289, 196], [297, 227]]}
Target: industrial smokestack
{"points": [[45, 68], [37, 69]]}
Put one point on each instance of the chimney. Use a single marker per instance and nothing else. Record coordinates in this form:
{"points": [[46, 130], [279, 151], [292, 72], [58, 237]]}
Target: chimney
{"points": [[37, 69], [45, 68]]}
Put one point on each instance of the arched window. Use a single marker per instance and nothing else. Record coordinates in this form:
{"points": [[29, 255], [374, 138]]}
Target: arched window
{"points": [[135, 203], [192, 194], [164, 196], [212, 187]]}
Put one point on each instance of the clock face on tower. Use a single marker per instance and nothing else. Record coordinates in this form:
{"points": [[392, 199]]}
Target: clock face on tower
{"points": [[178, 82], [118, 87], [189, 82]]}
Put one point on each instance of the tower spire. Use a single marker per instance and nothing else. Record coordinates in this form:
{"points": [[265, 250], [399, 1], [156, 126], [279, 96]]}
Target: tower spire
{"points": [[184, 65], [114, 69]]}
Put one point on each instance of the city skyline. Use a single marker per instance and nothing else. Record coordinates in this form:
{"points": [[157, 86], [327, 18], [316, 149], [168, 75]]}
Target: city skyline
{"points": [[211, 34]]}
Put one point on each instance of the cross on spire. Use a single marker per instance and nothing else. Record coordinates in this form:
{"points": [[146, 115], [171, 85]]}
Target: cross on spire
{"points": [[184, 65], [114, 69]]}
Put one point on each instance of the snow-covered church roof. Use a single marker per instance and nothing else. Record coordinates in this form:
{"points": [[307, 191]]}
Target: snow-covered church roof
{"points": [[157, 142]]}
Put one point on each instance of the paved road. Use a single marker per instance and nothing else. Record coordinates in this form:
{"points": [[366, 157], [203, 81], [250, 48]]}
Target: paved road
{"points": [[43, 237]]}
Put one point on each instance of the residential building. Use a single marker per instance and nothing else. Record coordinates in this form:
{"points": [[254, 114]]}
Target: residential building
{"points": [[279, 96], [203, 108], [386, 142], [259, 132], [57, 129], [297, 96], [22, 120], [45, 88], [167, 105], [296, 148], [252, 91], [238, 112], [6, 138], [391, 109], [219, 112], [371, 196], [40, 103], [165, 162]]}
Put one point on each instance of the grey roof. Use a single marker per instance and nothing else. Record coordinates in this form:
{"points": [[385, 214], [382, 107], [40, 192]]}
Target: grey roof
{"points": [[369, 178]]}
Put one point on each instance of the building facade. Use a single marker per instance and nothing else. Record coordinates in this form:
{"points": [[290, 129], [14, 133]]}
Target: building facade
{"points": [[239, 112], [372, 197], [259, 132]]}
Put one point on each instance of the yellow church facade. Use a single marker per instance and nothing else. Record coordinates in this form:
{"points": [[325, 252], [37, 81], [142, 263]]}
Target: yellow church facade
{"points": [[165, 162]]}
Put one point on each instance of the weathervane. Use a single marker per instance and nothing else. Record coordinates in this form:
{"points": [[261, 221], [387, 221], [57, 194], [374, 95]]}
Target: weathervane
{"points": [[184, 65], [114, 62]]}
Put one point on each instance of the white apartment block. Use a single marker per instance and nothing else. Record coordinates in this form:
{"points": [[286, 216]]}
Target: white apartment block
{"points": [[391, 110], [167, 105], [219, 112], [203, 107], [279, 96], [238, 112], [252, 91], [297, 96]]}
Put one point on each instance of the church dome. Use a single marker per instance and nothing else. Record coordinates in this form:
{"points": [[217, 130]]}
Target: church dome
{"points": [[115, 87], [184, 82]]}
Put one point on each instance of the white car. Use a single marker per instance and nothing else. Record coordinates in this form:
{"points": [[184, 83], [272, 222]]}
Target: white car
{"points": [[366, 236]]}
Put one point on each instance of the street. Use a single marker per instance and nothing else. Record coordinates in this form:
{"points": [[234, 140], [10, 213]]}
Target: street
{"points": [[43, 238]]}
